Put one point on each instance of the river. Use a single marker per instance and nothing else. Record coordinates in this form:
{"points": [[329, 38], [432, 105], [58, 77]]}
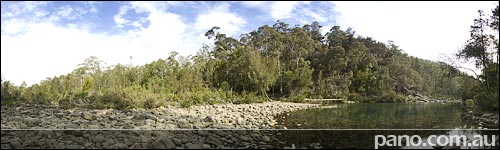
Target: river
{"points": [[355, 125]]}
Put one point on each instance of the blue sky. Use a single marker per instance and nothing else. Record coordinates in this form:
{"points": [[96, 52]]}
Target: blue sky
{"points": [[47, 39]]}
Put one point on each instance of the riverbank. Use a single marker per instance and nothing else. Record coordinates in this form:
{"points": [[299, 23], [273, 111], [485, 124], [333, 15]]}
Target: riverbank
{"points": [[483, 120], [182, 121], [419, 98]]}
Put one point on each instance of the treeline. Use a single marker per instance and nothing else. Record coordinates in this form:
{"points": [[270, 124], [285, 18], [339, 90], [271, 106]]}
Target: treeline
{"points": [[482, 48], [272, 62]]}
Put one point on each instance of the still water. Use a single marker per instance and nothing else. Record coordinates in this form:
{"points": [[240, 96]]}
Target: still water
{"points": [[362, 120]]}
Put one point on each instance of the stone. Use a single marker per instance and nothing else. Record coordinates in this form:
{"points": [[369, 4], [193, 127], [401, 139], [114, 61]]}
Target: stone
{"points": [[149, 122], [177, 141], [113, 117], [266, 138], [158, 144], [245, 138], [193, 146], [213, 140], [221, 133], [71, 126], [266, 146], [209, 119], [185, 125], [15, 144], [149, 116], [93, 126], [205, 146], [145, 138], [31, 122], [121, 146], [98, 139], [88, 116]]}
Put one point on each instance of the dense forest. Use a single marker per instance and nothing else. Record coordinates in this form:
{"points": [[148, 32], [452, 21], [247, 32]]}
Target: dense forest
{"points": [[275, 62]]}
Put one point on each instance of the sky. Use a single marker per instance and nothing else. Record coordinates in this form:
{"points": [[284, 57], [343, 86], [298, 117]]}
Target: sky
{"points": [[41, 40]]}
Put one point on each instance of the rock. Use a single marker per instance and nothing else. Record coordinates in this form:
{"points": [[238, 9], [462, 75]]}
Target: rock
{"points": [[158, 144], [169, 143], [88, 116], [71, 126], [487, 115], [113, 117], [266, 146], [266, 138], [209, 119], [240, 121], [185, 125], [72, 146], [93, 126], [177, 141], [98, 139], [150, 116], [245, 138], [193, 146], [145, 138], [121, 146], [143, 116], [221, 133], [205, 146], [15, 144], [31, 122], [149, 122]]}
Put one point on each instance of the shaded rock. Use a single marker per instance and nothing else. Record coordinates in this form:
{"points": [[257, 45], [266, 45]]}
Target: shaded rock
{"points": [[177, 141], [162, 143], [31, 122], [266, 138], [245, 138]]}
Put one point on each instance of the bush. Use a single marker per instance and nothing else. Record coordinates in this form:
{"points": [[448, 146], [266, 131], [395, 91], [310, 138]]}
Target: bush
{"points": [[487, 102], [248, 98], [153, 101]]}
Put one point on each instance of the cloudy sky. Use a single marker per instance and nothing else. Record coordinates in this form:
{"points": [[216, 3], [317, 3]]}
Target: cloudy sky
{"points": [[47, 39]]}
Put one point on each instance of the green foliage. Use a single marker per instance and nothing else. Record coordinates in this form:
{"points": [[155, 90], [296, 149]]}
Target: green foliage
{"points": [[482, 48], [153, 101]]}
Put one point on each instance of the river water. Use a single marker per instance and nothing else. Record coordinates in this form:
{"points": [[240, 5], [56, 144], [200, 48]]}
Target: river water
{"points": [[355, 125]]}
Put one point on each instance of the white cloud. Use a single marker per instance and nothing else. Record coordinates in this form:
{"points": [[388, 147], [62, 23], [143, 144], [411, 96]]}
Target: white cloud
{"points": [[422, 29], [65, 11], [229, 23], [283, 9], [277, 10], [118, 18], [34, 50], [257, 4]]}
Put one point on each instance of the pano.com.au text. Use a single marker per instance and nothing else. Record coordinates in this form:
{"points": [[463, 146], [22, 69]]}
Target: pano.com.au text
{"points": [[435, 140]]}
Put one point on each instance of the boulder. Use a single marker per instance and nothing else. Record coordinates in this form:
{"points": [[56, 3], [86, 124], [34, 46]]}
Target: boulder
{"points": [[88, 116]]}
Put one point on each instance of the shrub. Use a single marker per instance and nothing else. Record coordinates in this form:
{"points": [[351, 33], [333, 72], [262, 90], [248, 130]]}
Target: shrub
{"points": [[153, 101]]}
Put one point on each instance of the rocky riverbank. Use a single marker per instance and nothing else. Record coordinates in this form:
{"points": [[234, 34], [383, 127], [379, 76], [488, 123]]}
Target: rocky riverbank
{"points": [[222, 116], [176, 126], [419, 98], [483, 120]]}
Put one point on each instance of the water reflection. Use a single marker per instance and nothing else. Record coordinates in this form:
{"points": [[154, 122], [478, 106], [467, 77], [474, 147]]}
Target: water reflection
{"points": [[438, 119]]}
